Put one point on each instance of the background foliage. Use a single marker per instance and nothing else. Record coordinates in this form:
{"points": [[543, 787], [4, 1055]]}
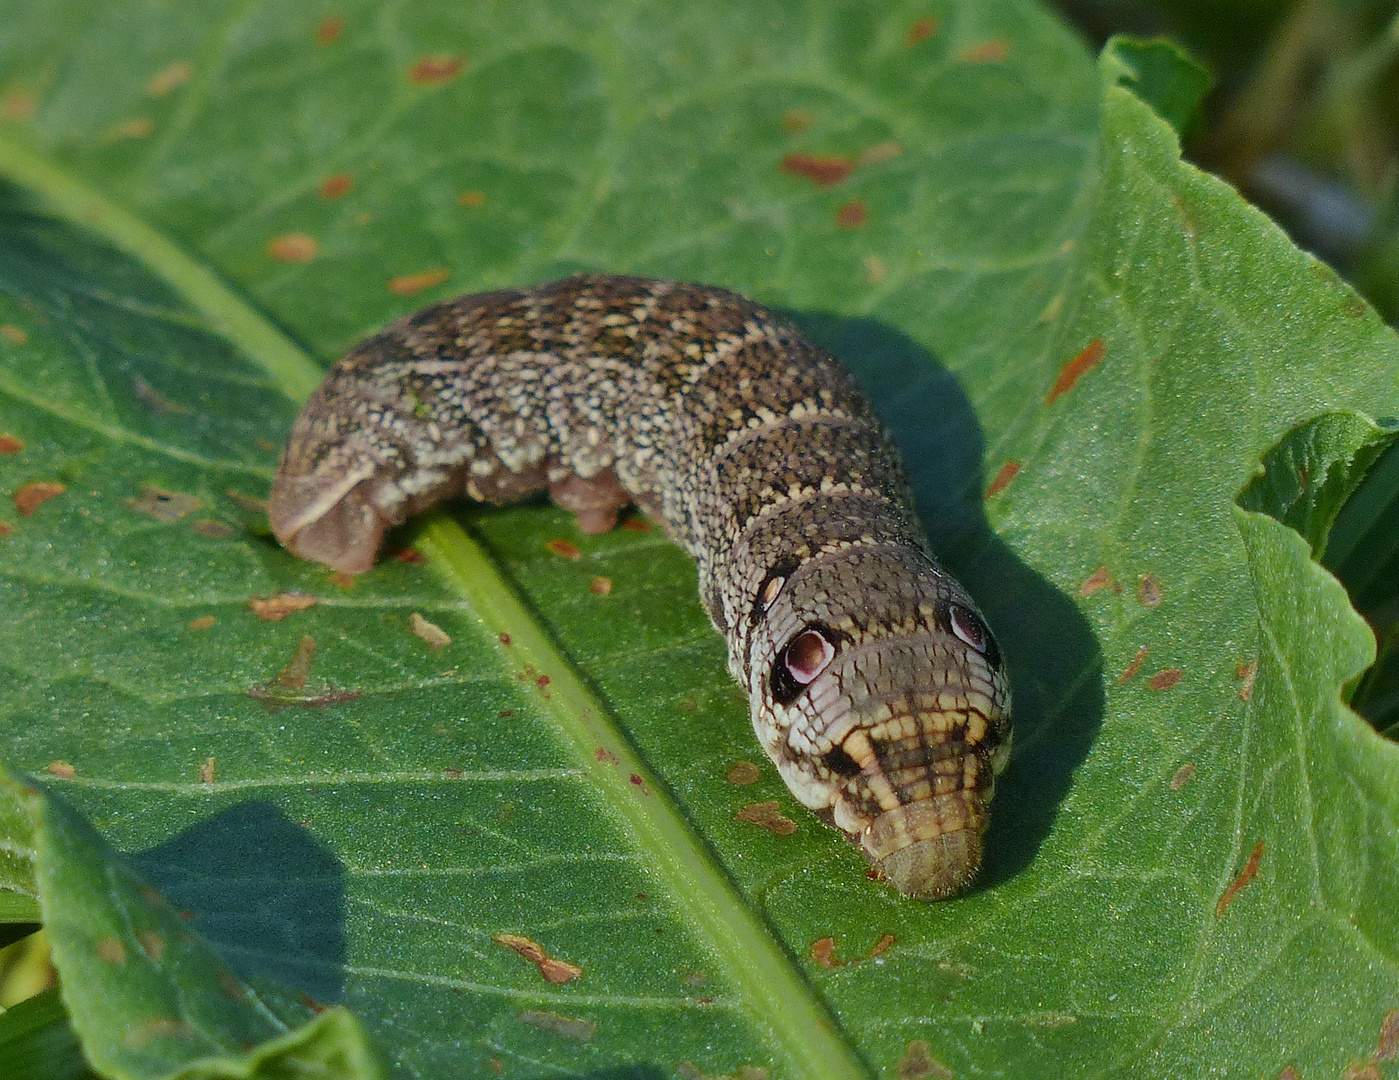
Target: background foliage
{"points": [[272, 833]]}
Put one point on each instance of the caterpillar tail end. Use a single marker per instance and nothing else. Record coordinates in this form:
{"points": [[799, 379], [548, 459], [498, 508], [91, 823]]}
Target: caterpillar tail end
{"points": [[326, 522]]}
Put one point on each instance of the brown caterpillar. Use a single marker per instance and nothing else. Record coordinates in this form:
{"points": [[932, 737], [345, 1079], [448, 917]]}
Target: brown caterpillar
{"points": [[875, 686]]}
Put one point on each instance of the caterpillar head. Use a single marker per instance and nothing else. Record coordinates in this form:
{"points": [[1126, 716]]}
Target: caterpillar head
{"points": [[877, 689]]}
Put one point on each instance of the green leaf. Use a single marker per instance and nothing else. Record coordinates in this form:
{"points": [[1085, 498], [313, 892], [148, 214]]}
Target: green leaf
{"points": [[1161, 74], [1043, 300], [1307, 478], [146, 996], [38, 1043]]}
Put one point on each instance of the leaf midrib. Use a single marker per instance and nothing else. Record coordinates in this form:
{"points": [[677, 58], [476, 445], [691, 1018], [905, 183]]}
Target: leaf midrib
{"points": [[774, 991]]}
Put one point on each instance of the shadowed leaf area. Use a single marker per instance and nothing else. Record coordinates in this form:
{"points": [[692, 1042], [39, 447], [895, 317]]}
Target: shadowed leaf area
{"points": [[1130, 409]]}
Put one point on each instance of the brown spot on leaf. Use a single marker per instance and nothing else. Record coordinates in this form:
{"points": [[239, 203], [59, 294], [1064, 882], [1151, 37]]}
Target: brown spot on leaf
{"points": [[743, 773], [249, 503], [436, 70], [137, 127], [146, 394], [767, 815], [298, 668], [202, 623], [1008, 472], [636, 524], [505, 638], [600, 586], [823, 952], [606, 756], [853, 215], [1362, 1070], [1388, 1046], [542, 682], [1098, 580], [294, 247], [166, 506], [14, 334], [10, 445], [795, 121], [61, 769], [1165, 679], [168, 78], [921, 30], [1245, 876], [433, 634], [342, 580], [1075, 369], [453, 774], [875, 270], [823, 170], [882, 945], [408, 284], [637, 782], [277, 697], [139, 1036], [877, 154], [308, 1002], [111, 951], [337, 186], [918, 1063], [17, 104], [152, 944], [329, 30], [551, 968], [206, 771], [276, 608], [472, 200], [1183, 776], [410, 555], [986, 52], [571, 1027], [213, 530], [1148, 591], [292, 685], [563, 549], [1245, 673], [1355, 307], [33, 495]]}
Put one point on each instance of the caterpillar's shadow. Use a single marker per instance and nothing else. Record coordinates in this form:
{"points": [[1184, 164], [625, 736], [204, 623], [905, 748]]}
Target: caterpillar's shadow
{"points": [[263, 891], [1054, 660]]}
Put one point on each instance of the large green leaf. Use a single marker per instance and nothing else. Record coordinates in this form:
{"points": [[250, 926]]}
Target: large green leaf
{"points": [[1192, 855]]}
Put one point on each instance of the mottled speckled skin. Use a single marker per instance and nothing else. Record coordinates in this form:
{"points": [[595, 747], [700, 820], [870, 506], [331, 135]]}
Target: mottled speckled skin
{"points": [[875, 687]]}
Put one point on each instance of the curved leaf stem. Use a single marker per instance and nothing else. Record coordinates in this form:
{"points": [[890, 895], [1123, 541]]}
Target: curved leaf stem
{"points": [[228, 312], [775, 993]]}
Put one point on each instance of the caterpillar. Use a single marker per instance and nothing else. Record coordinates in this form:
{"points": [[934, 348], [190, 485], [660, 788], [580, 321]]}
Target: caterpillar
{"points": [[874, 684]]}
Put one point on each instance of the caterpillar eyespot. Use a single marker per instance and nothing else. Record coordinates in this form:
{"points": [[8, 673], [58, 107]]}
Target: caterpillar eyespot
{"points": [[968, 626], [808, 655], [771, 588], [758, 454]]}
